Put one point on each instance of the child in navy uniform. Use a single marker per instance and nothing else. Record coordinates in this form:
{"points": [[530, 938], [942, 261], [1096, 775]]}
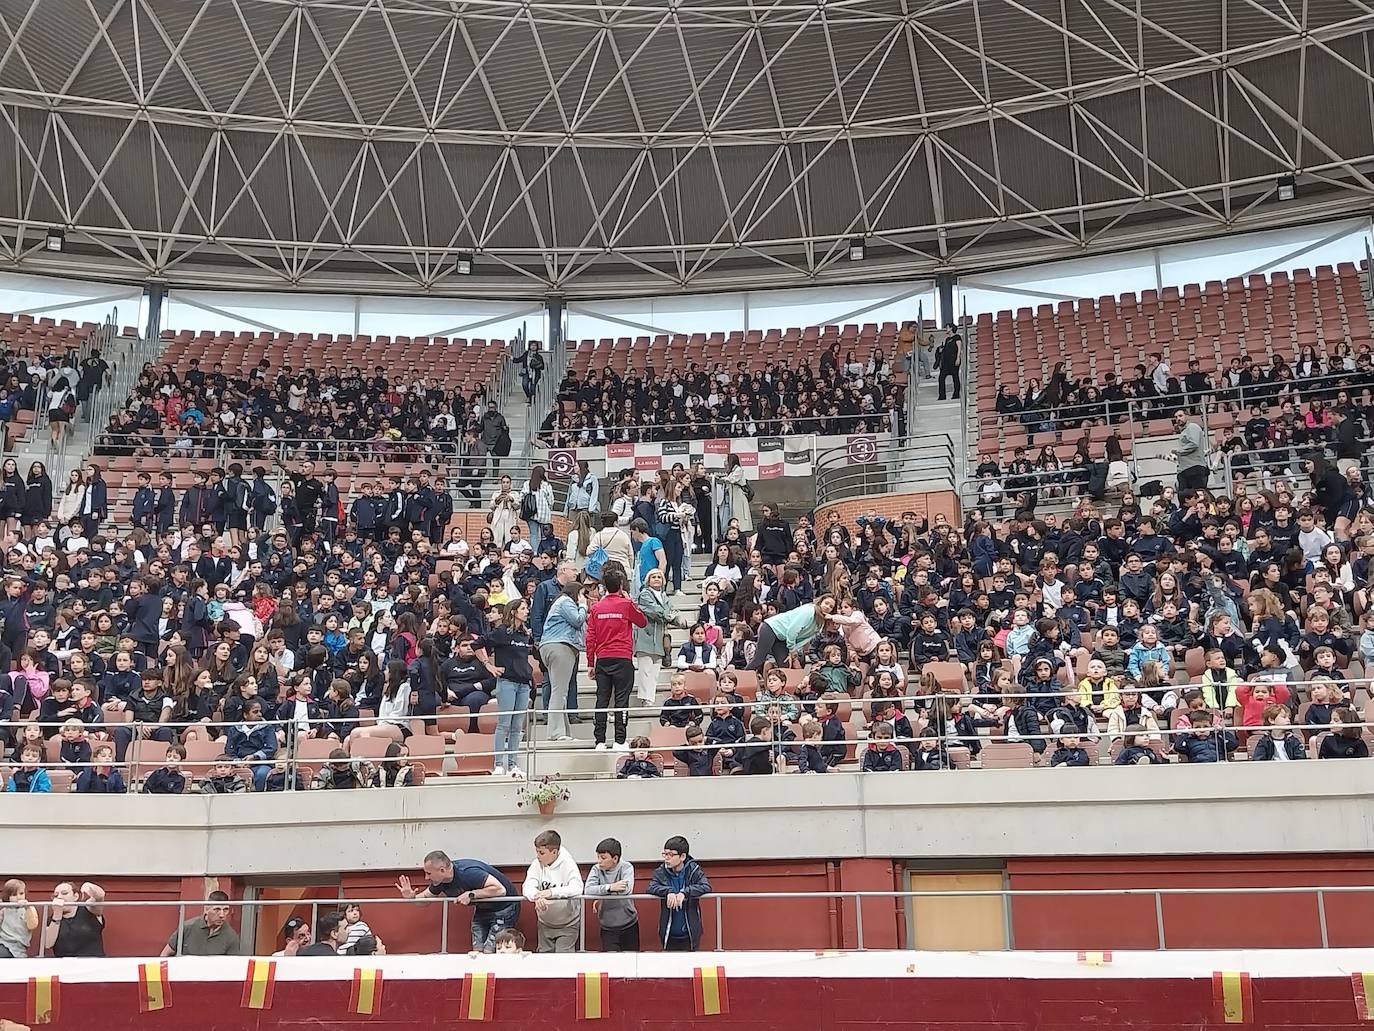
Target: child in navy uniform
{"points": [[102, 778], [679, 709], [725, 727], [1344, 742], [1070, 752], [639, 764], [832, 730], [697, 759], [811, 756], [881, 755], [1137, 749], [168, 778], [930, 752]]}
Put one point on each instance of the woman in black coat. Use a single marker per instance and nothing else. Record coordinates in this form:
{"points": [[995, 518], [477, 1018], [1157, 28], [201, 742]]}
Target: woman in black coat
{"points": [[1329, 487], [11, 495], [37, 506]]}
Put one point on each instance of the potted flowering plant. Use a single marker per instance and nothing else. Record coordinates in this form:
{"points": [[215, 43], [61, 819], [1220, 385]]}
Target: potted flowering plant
{"points": [[544, 794]]}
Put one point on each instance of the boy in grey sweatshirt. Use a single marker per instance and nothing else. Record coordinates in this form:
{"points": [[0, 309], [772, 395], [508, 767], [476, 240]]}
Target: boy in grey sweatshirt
{"points": [[611, 882]]}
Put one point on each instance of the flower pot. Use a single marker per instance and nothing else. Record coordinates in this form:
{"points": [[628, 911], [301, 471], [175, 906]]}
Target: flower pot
{"points": [[547, 808]]}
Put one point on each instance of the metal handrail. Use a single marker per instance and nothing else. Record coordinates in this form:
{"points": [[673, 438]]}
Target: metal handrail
{"points": [[841, 473], [666, 431], [716, 901]]}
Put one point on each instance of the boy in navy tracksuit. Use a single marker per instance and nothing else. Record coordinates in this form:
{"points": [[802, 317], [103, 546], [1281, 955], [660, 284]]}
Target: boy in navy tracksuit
{"points": [[930, 752], [144, 503], [698, 760], [832, 730], [809, 756], [881, 755], [1069, 753]]}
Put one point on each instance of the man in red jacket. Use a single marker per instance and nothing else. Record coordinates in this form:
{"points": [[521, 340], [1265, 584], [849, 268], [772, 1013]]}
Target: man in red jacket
{"points": [[611, 626]]}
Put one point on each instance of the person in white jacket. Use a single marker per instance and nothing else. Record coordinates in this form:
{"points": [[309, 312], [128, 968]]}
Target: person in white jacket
{"points": [[554, 884]]}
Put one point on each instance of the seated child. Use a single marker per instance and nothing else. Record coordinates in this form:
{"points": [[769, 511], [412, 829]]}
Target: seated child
{"points": [[1137, 750], [29, 777], [774, 690], [1203, 742], [837, 675], [1070, 752], [1254, 701], [102, 778], [810, 757], [679, 709], [222, 780], [638, 765], [697, 759], [930, 752], [168, 778], [1345, 740], [881, 755], [754, 755], [1280, 742]]}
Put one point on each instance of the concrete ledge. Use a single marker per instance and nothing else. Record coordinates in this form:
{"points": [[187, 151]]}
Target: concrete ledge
{"points": [[1306, 807]]}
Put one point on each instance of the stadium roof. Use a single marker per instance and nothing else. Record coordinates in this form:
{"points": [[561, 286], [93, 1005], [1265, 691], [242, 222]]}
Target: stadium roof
{"points": [[595, 147]]}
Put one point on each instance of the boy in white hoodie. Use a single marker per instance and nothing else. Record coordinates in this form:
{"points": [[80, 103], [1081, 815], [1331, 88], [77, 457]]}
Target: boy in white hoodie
{"points": [[554, 884]]}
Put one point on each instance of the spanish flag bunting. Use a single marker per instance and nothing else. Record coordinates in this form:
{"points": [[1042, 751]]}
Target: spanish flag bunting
{"points": [[1363, 984], [367, 992], [479, 996], [593, 996], [1095, 959], [1232, 998], [259, 985], [44, 998], [153, 989], [710, 992]]}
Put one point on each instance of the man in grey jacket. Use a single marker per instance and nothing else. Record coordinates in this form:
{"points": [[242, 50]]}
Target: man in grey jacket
{"points": [[612, 882], [1191, 453]]}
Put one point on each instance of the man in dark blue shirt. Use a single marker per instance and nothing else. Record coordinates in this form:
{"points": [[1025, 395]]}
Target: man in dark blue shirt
{"points": [[495, 902]]}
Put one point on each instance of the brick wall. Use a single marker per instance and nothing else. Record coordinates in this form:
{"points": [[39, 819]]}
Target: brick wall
{"points": [[924, 504]]}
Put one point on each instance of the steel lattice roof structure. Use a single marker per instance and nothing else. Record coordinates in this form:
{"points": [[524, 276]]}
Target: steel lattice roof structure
{"points": [[605, 147]]}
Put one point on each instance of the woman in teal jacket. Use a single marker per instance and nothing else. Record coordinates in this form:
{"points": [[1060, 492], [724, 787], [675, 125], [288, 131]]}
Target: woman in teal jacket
{"points": [[788, 632]]}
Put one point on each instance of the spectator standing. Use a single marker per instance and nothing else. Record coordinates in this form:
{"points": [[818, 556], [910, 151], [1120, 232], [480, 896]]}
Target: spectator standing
{"points": [[611, 881], [470, 882], [614, 542], [17, 922], [561, 644], [554, 884], [494, 434], [582, 506], [948, 359], [206, 935], [37, 506], [733, 495], [536, 507], [925, 355], [649, 639], [679, 884], [1191, 453], [512, 648], [503, 511], [610, 651], [1349, 447], [76, 923], [786, 633], [95, 508]]}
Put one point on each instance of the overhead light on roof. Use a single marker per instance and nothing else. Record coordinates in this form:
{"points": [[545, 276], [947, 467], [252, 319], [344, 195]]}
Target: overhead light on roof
{"points": [[1288, 188], [856, 250], [463, 266], [56, 240]]}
